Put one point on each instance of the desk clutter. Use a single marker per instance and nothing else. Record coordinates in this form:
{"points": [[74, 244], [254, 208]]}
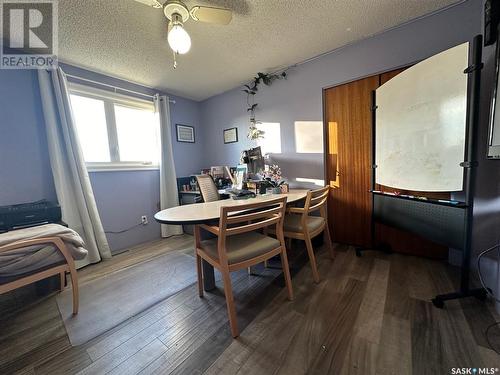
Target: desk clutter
{"points": [[250, 178]]}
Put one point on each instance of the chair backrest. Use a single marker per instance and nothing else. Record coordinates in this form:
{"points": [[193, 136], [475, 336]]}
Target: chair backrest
{"points": [[316, 200], [252, 216], [208, 190]]}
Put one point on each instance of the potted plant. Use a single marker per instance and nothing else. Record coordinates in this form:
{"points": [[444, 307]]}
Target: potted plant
{"points": [[273, 178], [251, 90]]}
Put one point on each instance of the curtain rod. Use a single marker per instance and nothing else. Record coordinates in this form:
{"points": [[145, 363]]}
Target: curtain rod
{"points": [[114, 87]]}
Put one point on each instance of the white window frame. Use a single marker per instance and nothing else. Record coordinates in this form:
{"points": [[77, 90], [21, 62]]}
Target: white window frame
{"points": [[110, 99]]}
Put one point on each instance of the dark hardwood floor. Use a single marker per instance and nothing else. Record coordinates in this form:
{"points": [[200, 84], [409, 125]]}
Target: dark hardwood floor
{"points": [[368, 315]]}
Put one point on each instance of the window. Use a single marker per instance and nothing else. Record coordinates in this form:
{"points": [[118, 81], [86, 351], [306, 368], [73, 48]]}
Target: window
{"points": [[90, 119], [115, 131], [309, 137], [271, 143]]}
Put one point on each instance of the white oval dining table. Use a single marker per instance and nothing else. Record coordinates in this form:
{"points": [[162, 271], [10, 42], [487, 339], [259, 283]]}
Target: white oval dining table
{"points": [[201, 213]]}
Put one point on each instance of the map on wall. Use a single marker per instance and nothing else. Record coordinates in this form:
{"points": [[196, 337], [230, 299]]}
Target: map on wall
{"points": [[421, 123]]}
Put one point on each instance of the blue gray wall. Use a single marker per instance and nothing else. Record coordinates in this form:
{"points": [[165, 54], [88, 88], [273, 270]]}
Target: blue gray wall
{"points": [[300, 96], [24, 161], [122, 197]]}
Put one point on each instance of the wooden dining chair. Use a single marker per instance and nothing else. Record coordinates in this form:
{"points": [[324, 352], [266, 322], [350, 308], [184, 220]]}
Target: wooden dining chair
{"points": [[66, 265], [299, 224], [239, 246], [208, 189]]}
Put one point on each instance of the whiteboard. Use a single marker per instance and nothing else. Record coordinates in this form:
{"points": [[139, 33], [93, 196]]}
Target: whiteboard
{"points": [[421, 122]]}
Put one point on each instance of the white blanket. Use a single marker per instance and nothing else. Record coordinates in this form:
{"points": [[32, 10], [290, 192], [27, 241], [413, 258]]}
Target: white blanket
{"points": [[31, 258]]}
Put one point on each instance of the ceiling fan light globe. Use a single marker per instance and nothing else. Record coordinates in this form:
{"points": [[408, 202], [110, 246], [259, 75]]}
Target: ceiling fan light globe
{"points": [[179, 40]]}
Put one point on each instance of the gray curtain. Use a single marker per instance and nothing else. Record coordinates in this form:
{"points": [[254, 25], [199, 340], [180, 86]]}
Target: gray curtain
{"points": [[169, 196], [71, 179]]}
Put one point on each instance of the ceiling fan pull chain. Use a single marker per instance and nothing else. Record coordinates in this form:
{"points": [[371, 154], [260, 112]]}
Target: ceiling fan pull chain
{"points": [[175, 59]]}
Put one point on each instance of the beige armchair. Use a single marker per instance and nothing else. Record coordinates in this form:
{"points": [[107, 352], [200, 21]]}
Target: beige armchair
{"points": [[68, 265], [299, 224], [239, 246]]}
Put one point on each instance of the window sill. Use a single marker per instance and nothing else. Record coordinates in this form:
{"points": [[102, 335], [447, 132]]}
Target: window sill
{"points": [[105, 167]]}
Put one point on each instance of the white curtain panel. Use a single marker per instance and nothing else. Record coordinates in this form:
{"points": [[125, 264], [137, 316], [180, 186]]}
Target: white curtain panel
{"points": [[169, 196], [71, 179]]}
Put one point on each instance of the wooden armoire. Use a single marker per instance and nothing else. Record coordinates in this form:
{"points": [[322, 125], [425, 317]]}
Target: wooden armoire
{"points": [[348, 160]]}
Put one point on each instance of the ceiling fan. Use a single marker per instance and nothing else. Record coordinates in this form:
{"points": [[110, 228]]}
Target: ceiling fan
{"points": [[177, 13]]}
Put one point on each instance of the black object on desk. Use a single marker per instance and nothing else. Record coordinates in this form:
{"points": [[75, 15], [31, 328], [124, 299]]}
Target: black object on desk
{"points": [[241, 194], [31, 214]]}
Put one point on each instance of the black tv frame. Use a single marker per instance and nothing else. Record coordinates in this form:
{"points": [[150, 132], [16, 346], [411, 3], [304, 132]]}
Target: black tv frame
{"points": [[494, 150]]}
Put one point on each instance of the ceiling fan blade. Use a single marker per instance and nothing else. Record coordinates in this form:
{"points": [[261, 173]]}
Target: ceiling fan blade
{"points": [[219, 16], [151, 3]]}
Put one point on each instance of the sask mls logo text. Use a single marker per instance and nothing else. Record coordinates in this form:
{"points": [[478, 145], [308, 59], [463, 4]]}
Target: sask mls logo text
{"points": [[474, 370], [28, 34]]}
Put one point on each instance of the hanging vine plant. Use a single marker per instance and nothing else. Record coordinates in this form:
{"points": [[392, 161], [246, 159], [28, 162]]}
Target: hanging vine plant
{"points": [[251, 90]]}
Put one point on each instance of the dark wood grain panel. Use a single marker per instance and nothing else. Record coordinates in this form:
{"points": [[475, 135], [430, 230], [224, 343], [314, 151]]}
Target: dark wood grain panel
{"points": [[348, 118], [348, 130]]}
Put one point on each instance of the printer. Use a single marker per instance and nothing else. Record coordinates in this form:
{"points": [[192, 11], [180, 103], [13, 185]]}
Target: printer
{"points": [[29, 214]]}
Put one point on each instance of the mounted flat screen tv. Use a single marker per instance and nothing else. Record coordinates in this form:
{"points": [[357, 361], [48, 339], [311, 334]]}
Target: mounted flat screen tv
{"points": [[494, 133]]}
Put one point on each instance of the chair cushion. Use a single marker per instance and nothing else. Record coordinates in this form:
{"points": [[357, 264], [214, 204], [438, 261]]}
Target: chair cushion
{"points": [[241, 247], [293, 223]]}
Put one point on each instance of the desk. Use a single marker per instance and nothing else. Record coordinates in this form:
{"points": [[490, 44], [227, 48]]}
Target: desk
{"points": [[202, 213]]}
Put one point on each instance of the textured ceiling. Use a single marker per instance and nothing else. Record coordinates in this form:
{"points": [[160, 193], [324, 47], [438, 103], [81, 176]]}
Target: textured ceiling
{"points": [[128, 40]]}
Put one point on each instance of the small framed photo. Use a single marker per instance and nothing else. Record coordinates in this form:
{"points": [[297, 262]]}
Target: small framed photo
{"points": [[185, 133], [231, 135]]}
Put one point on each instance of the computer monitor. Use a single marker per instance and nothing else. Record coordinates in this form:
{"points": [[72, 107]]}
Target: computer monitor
{"points": [[254, 160]]}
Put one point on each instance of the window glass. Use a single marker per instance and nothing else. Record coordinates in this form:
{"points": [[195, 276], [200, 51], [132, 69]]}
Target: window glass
{"points": [[90, 122], [115, 130], [138, 134]]}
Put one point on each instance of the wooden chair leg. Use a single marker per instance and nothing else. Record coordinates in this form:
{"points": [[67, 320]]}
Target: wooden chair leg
{"points": [[231, 310], [63, 280], [328, 241], [74, 287], [266, 232], [199, 274], [312, 259], [286, 274]]}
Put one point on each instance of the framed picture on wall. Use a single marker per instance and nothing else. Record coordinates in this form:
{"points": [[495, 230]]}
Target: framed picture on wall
{"points": [[231, 135], [185, 133]]}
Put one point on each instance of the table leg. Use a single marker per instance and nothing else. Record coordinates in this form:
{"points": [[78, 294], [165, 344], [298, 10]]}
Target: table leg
{"points": [[208, 269]]}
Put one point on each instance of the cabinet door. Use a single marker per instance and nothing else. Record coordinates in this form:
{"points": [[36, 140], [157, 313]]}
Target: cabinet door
{"points": [[348, 133]]}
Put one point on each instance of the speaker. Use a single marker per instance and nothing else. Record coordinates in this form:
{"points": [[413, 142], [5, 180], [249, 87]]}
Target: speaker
{"points": [[491, 20]]}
